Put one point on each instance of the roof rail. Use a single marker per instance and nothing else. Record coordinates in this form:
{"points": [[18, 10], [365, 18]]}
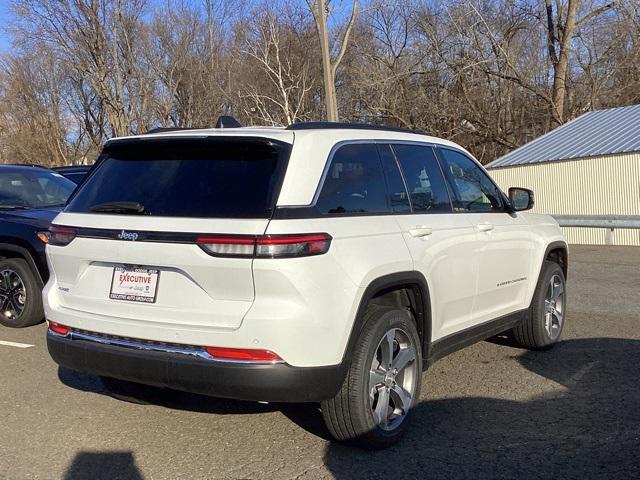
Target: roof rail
{"points": [[36, 165], [68, 168], [353, 126]]}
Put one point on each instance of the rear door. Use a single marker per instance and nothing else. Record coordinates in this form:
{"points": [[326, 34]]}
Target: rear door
{"points": [[443, 244], [140, 216], [352, 205], [505, 245]]}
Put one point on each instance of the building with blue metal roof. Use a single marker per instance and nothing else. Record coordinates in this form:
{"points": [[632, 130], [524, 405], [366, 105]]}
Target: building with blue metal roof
{"points": [[601, 132], [588, 166]]}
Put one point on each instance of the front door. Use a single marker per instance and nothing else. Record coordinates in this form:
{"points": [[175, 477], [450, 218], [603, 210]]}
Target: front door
{"points": [[505, 244]]}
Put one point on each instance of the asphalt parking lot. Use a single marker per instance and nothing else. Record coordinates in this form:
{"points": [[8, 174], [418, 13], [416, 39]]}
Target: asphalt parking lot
{"points": [[490, 411]]}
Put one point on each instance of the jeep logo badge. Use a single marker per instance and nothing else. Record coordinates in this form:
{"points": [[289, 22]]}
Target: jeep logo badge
{"points": [[123, 235]]}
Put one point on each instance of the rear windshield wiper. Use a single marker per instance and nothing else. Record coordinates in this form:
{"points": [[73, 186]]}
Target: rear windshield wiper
{"points": [[134, 208]]}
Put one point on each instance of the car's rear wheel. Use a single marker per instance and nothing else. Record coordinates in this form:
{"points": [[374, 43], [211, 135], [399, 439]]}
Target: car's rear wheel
{"points": [[20, 294], [546, 317], [373, 407]]}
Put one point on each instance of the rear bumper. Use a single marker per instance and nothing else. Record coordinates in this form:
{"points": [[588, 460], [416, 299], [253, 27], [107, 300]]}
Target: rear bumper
{"points": [[242, 381]]}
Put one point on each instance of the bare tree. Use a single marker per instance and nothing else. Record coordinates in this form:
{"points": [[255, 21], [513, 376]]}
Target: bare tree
{"points": [[561, 27], [320, 9], [489, 74], [31, 112], [99, 40], [289, 76]]}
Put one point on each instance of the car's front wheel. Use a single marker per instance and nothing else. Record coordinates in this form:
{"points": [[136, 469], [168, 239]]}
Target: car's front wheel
{"points": [[546, 317], [20, 294], [373, 407]]}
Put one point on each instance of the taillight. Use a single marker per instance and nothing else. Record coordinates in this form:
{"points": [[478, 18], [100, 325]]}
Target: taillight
{"points": [[232, 246], [59, 329], [59, 236], [266, 246], [279, 246], [243, 355]]}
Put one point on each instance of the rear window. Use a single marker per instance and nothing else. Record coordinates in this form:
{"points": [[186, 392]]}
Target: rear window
{"points": [[205, 178], [354, 182]]}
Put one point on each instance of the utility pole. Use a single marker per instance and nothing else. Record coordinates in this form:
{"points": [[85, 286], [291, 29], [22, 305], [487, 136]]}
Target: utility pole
{"points": [[319, 10], [327, 69]]}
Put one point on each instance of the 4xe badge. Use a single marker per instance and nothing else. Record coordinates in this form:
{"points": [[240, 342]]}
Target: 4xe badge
{"points": [[124, 235]]}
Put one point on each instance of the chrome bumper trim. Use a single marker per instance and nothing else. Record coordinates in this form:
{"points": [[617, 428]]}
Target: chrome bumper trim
{"points": [[197, 352]]}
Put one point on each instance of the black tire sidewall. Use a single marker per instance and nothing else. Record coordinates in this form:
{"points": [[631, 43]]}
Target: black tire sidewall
{"points": [[543, 340], [376, 327], [33, 312]]}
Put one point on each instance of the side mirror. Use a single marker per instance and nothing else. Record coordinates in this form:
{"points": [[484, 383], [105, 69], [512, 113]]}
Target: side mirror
{"points": [[521, 199]]}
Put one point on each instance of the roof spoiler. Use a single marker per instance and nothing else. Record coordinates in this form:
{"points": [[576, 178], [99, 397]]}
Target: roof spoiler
{"points": [[224, 121]]}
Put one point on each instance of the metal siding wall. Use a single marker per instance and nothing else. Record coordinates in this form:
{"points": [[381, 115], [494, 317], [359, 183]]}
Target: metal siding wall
{"points": [[608, 185]]}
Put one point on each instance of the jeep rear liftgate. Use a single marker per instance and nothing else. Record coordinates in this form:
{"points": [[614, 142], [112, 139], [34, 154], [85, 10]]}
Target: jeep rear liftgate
{"points": [[140, 253]]}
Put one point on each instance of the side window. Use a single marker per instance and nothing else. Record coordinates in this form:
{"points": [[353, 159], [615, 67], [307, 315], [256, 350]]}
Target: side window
{"points": [[425, 181], [475, 190], [398, 198], [354, 182]]}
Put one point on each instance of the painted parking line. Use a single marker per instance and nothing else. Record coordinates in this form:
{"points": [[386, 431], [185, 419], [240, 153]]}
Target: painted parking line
{"points": [[14, 344]]}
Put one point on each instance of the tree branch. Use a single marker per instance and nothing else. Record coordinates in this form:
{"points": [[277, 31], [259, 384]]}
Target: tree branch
{"points": [[345, 38]]}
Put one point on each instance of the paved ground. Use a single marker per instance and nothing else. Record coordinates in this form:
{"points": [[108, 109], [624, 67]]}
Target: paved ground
{"points": [[488, 411]]}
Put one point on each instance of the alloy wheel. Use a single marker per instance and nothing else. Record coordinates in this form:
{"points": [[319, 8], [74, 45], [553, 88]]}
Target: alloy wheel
{"points": [[13, 294], [554, 307], [392, 379]]}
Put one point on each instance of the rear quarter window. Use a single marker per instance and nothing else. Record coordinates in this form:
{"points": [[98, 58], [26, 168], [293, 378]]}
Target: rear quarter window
{"points": [[205, 178]]}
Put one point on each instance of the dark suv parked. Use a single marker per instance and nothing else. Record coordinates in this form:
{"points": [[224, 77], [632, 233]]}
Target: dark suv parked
{"points": [[30, 197], [75, 173]]}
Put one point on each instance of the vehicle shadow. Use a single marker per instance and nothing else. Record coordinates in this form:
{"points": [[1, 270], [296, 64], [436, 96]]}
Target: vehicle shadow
{"points": [[588, 429], [306, 415], [103, 465], [164, 397], [590, 426]]}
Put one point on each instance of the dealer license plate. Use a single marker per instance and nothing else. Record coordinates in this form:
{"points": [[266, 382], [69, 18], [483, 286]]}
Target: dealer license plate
{"points": [[134, 284]]}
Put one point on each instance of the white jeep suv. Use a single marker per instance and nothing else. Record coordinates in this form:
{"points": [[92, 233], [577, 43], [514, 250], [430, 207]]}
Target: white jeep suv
{"points": [[320, 262]]}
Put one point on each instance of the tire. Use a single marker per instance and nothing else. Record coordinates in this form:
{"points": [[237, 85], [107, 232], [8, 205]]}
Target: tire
{"points": [[350, 415], [543, 326], [20, 294]]}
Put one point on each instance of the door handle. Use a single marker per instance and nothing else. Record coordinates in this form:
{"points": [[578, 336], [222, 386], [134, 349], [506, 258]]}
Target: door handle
{"points": [[420, 231], [484, 227]]}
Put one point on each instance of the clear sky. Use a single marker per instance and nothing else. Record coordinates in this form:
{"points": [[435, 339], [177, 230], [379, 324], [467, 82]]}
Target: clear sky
{"points": [[4, 22], [5, 19]]}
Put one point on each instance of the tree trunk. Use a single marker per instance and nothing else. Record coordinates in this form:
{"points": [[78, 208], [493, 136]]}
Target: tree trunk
{"points": [[327, 68], [561, 63]]}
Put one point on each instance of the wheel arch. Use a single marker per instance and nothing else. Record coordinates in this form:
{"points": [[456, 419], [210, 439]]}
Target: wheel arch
{"points": [[557, 252], [10, 250], [403, 289]]}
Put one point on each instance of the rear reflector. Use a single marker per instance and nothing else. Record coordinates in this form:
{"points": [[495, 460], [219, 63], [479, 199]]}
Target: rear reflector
{"points": [[60, 236], [243, 354], [266, 246], [59, 329]]}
